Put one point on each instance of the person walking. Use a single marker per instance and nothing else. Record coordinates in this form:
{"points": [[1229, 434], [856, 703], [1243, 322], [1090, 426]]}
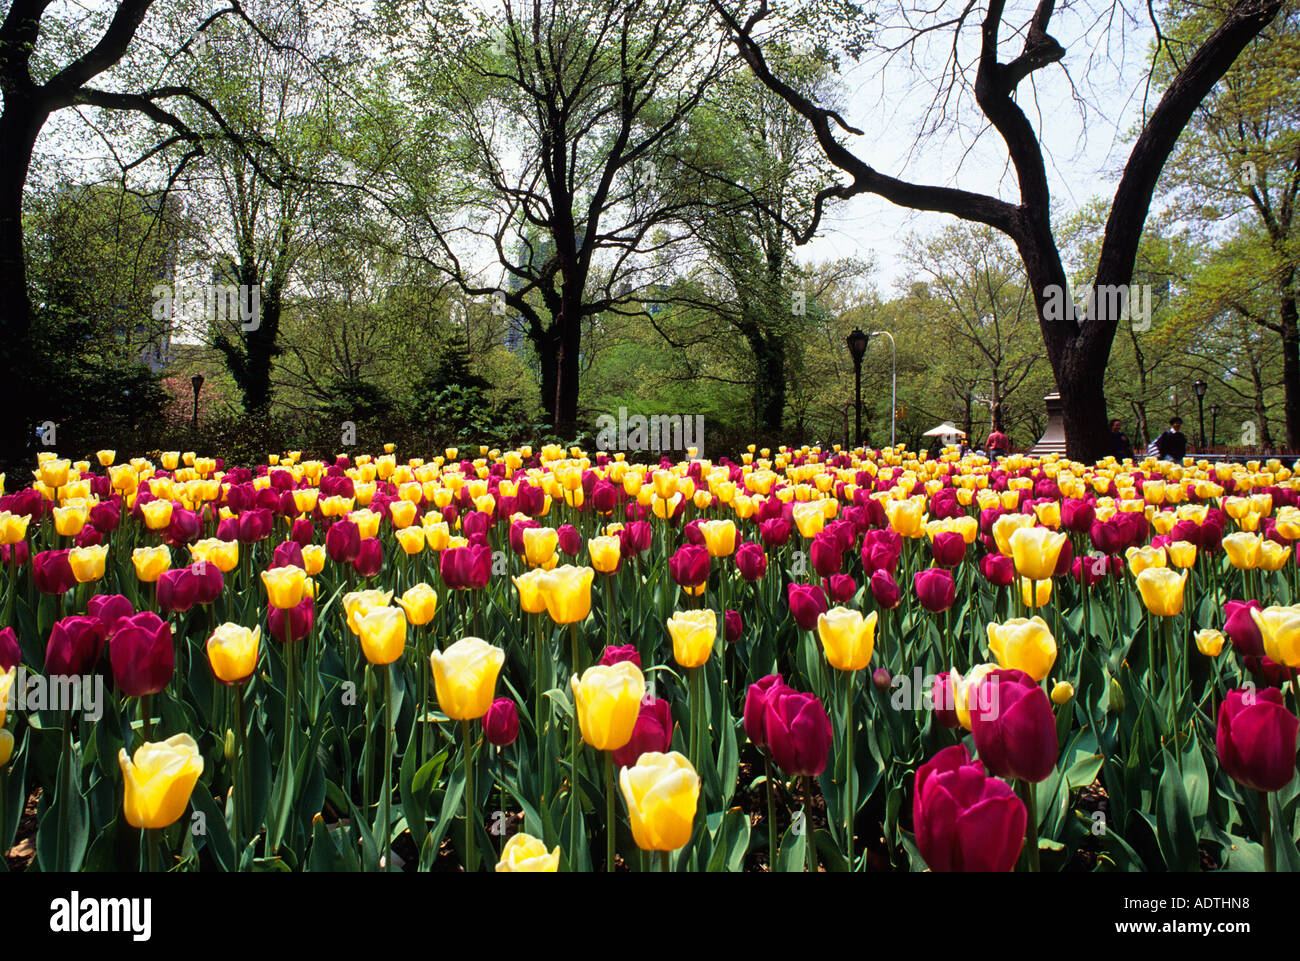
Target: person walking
{"points": [[1172, 444], [998, 445], [1119, 442]]}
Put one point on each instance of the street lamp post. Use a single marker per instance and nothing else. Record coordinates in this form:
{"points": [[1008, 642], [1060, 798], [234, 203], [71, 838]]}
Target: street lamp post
{"points": [[1214, 425], [1200, 387], [857, 342], [893, 378], [197, 383]]}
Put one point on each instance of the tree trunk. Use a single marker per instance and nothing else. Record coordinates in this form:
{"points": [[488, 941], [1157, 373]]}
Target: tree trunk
{"points": [[18, 130], [1083, 405], [769, 379]]}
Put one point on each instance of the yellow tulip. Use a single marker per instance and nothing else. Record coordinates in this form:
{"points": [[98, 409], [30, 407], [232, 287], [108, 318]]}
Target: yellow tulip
{"points": [[1243, 550], [357, 604], [13, 527], [68, 521], [906, 517], [1048, 514], [465, 677], [223, 555], [1035, 551], [1209, 642], [662, 792], [693, 634], [284, 586], [539, 544], [6, 747], [809, 519], [151, 562], [436, 535], [106, 457], [848, 639], [313, 555], [1273, 556], [1035, 594], [6, 686], [607, 700], [1025, 645], [525, 853], [402, 514], [1162, 590], [157, 514], [604, 553], [383, 634], [567, 593], [232, 652], [1280, 629], [1062, 692], [1182, 554], [719, 537], [88, 562], [964, 692], [159, 780], [411, 539], [1005, 526], [420, 602], [54, 472], [531, 600], [1145, 558]]}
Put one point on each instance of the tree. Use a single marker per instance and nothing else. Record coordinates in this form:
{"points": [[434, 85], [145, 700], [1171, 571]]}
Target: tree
{"points": [[751, 166], [1239, 164], [35, 87], [1077, 347], [983, 324], [567, 109]]}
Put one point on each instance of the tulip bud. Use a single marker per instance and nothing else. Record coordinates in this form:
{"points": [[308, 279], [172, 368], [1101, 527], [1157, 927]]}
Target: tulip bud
{"points": [[1062, 692], [501, 722], [882, 679]]}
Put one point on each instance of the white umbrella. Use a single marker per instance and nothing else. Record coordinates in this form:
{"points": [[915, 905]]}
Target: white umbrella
{"points": [[945, 430]]}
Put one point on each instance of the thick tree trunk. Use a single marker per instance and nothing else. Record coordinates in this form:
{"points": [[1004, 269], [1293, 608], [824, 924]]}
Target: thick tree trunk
{"points": [[18, 130], [769, 382], [1083, 406]]}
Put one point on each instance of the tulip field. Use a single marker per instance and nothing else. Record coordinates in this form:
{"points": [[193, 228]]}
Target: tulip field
{"points": [[799, 659]]}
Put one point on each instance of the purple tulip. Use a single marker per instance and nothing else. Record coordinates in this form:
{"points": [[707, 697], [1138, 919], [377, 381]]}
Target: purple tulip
{"points": [[963, 819]]}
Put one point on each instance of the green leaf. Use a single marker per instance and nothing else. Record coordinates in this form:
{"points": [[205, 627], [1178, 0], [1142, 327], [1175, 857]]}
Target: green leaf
{"points": [[217, 836], [730, 842], [1176, 834]]}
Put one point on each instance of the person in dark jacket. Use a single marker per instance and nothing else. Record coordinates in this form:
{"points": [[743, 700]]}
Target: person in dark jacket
{"points": [[1119, 443], [1172, 444]]}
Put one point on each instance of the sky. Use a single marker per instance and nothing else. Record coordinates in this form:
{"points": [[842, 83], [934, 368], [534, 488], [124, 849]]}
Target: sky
{"points": [[1084, 143]]}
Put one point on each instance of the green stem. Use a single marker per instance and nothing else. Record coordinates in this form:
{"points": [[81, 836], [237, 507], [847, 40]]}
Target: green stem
{"points": [[848, 774], [1031, 828], [771, 813], [609, 812], [1266, 833], [470, 865], [235, 766], [151, 847], [387, 789], [810, 842]]}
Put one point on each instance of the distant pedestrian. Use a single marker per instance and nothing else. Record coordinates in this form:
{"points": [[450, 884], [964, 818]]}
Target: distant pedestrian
{"points": [[1172, 444], [1119, 442], [998, 445]]}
